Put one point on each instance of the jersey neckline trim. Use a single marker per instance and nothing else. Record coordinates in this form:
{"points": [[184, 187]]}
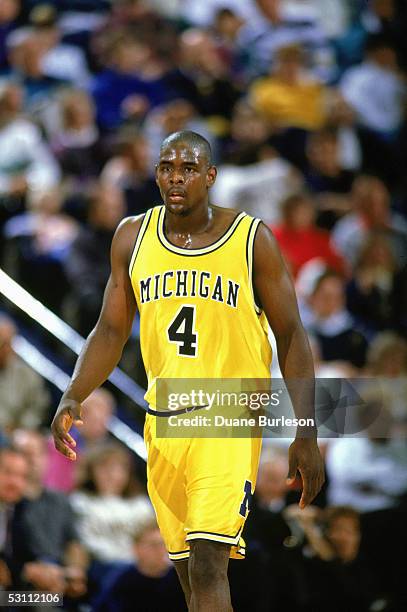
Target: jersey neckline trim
{"points": [[198, 251]]}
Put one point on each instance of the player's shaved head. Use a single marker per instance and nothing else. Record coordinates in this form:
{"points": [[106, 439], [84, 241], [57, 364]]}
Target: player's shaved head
{"points": [[192, 139]]}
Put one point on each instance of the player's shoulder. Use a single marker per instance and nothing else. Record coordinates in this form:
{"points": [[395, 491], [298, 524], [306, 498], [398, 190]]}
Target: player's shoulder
{"points": [[130, 224], [126, 235], [227, 216]]}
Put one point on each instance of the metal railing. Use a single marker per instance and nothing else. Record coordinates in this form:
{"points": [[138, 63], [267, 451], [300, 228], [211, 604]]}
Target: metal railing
{"points": [[50, 322]]}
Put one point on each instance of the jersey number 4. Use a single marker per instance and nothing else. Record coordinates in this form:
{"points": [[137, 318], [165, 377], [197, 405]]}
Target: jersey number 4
{"points": [[182, 332]]}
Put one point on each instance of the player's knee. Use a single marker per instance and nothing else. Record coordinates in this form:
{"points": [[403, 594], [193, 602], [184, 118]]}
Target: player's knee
{"points": [[208, 565]]}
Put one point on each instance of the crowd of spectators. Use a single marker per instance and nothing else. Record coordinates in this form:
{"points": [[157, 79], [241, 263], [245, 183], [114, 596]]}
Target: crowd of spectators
{"points": [[304, 103]]}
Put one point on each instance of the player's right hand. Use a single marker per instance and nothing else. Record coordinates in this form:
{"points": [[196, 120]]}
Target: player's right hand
{"points": [[68, 413]]}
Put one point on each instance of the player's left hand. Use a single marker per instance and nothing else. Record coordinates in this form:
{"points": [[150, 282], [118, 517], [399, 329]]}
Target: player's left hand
{"points": [[304, 457]]}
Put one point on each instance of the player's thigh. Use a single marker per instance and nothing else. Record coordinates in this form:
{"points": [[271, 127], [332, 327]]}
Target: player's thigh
{"points": [[166, 487], [221, 476]]}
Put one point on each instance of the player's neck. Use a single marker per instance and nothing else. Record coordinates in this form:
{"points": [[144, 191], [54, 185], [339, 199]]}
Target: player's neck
{"points": [[197, 221]]}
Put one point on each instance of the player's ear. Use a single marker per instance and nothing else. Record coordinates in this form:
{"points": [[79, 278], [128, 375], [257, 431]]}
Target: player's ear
{"points": [[156, 174], [211, 176]]}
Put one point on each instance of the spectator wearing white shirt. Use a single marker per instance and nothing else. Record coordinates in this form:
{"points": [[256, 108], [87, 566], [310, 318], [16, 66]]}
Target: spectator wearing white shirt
{"points": [[375, 89], [60, 60], [109, 504], [368, 472], [273, 25], [25, 160], [254, 176]]}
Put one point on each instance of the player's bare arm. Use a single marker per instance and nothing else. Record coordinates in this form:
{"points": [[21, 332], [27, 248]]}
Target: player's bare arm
{"points": [[276, 294], [104, 345]]}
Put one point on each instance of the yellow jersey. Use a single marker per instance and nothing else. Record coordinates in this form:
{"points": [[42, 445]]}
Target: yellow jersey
{"points": [[198, 315]]}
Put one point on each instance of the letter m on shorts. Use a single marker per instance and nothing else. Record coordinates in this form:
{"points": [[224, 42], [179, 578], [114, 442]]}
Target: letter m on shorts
{"points": [[247, 499]]}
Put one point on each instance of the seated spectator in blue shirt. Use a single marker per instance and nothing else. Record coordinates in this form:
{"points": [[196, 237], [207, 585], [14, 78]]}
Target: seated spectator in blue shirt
{"points": [[150, 583], [136, 79]]}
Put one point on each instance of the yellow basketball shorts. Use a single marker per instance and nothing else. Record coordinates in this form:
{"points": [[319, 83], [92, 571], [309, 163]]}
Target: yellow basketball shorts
{"points": [[200, 488]]}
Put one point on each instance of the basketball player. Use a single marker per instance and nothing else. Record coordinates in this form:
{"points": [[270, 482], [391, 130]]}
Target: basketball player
{"points": [[205, 281]]}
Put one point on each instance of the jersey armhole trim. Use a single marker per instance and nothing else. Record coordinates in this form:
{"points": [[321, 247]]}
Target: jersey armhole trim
{"points": [[250, 257], [140, 236]]}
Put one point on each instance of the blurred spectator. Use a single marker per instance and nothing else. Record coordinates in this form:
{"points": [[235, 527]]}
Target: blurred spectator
{"points": [[368, 471], [13, 481], [137, 79], [378, 108], [203, 14], [300, 240], [332, 325], [387, 364], [254, 176], [119, 91], [328, 369], [98, 410], [141, 19], [19, 567], [76, 141], [249, 131], [333, 15], [9, 11], [334, 564], [266, 524], [39, 243], [212, 90], [226, 26], [272, 26], [25, 161], [47, 520], [384, 17], [370, 291], [342, 119], [25, 53], [60, 60], [387, 356], [325, 176], [151, 580], [131, 11], [380, 16], [370, 200], [23, 397], [109, 503], [289, 97], [131, 171], [88, 263], [259, 187]]}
